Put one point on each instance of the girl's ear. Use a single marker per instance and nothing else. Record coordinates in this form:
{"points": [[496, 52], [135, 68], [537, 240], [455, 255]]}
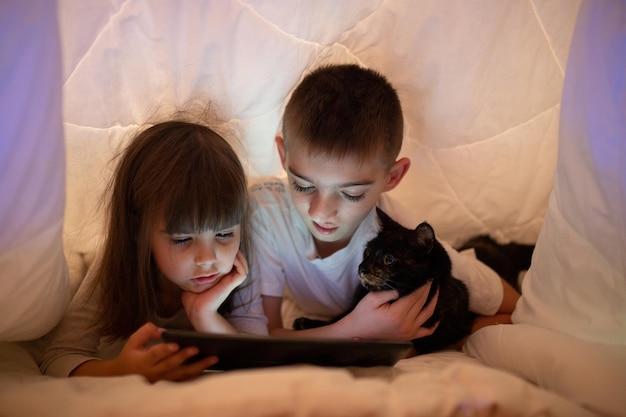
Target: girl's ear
{"points": [[280, 145], [397, 172]]}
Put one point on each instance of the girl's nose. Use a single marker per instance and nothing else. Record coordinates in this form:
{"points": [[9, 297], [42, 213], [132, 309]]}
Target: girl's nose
{"points": [[205, 255]]}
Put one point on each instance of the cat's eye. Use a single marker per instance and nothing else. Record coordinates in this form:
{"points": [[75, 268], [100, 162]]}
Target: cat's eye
{"points": [[388, 259]]}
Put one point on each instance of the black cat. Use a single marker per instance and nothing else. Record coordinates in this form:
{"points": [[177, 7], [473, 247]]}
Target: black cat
{"points": [[508, 260], [405, 260]]}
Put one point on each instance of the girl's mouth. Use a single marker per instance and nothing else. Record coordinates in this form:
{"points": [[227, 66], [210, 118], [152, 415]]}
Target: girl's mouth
{"points": [[208, 279]]}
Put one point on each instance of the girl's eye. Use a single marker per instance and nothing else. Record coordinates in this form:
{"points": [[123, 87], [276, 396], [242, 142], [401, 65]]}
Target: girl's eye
{"points": [[353, 198], [225, 234], [300, 188], [180, 240]]}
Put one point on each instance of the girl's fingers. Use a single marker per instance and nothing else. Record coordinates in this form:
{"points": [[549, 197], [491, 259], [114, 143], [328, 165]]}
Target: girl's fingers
{"points": [[167, 358], [143, 335], [241, 264], [190, 371]]}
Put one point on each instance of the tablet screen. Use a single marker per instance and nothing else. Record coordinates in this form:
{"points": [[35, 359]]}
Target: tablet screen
{"points": [[244, 351]]}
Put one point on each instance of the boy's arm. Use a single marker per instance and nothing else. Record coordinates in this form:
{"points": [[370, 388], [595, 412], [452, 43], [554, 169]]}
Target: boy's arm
{"points": [[509, 298], [373, 318], [503, 316], [272, 308]]}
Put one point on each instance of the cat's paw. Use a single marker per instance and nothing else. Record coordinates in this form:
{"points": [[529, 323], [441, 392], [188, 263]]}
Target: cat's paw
{"points": [[302, 323]]}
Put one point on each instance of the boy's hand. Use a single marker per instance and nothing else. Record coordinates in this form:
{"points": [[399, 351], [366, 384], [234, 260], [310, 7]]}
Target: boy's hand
{"points": [[376, 318]]}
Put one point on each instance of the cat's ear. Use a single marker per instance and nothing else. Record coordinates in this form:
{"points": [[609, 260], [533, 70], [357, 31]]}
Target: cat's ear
{"points": [[385, 221], [425, 236]]}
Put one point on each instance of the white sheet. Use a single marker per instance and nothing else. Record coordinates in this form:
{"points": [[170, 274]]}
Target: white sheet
{"points": [[481, 86], [450, 385], [33, 275]]}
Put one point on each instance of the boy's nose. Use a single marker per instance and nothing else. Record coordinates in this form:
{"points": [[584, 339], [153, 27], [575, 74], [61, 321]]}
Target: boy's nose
{"points": [[321, 208]]}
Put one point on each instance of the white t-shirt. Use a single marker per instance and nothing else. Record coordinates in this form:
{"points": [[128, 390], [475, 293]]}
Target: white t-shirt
{"points": [[284, 257]]}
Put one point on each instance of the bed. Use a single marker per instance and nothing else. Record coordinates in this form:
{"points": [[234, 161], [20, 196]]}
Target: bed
{"points": [[514, 122]]}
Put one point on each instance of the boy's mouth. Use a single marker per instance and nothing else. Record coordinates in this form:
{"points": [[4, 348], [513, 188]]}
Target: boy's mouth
{"points": [[324, 230]]}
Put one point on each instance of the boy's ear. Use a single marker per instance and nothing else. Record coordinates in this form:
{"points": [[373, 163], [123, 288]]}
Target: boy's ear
{"points": [[280, 145], [397, 172]]}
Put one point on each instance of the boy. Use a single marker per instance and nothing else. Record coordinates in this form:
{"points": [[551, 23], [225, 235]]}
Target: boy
{"points": [[342, 133]]}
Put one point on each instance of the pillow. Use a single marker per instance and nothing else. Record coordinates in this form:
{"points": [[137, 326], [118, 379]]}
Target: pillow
{"points": [[590, 374], [33, 274], [577, 281], [569, 331]]}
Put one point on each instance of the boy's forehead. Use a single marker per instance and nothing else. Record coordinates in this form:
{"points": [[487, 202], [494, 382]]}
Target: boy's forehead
{"points": [[344, 171], [371, 159]]}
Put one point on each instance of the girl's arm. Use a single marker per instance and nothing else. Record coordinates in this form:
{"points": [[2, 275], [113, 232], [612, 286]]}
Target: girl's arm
{"points": [[202, 309], [74, 344], [75, 339], [161, 361]]}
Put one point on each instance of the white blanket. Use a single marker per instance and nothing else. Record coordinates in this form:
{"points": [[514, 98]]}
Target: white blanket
{"points": [[481, 84]]}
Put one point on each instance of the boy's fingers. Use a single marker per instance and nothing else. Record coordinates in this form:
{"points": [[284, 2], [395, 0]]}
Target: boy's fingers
{"points": [[378, 298], [423, 310], [426, 331], [414, 302]]}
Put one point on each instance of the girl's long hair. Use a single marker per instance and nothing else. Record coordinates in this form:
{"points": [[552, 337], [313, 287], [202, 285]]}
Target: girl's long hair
{"points": [[184, 174]]}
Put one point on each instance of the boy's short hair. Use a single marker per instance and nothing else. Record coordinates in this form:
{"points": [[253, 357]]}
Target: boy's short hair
{"points": [[345, 110]]}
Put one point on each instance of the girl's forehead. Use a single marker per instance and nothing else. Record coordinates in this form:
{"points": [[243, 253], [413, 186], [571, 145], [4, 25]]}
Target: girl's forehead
{"points": [[196, 222]]}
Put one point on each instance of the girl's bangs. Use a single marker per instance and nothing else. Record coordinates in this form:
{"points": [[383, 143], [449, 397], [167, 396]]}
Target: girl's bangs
{"points": [[196, 212]]}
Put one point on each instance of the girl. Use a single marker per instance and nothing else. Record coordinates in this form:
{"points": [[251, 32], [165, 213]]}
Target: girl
{"points": [[172, 257]]}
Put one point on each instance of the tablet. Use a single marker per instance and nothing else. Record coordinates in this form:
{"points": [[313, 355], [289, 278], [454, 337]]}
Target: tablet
{"points": [[244, 351]]}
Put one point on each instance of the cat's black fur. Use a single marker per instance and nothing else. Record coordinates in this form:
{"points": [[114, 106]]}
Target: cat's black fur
{"points": [[405, 260], [508, 260]]}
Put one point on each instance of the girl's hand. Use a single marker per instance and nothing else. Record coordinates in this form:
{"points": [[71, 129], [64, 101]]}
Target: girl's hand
{"points": [[375, 317], [202, 308], [162, 361]]}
